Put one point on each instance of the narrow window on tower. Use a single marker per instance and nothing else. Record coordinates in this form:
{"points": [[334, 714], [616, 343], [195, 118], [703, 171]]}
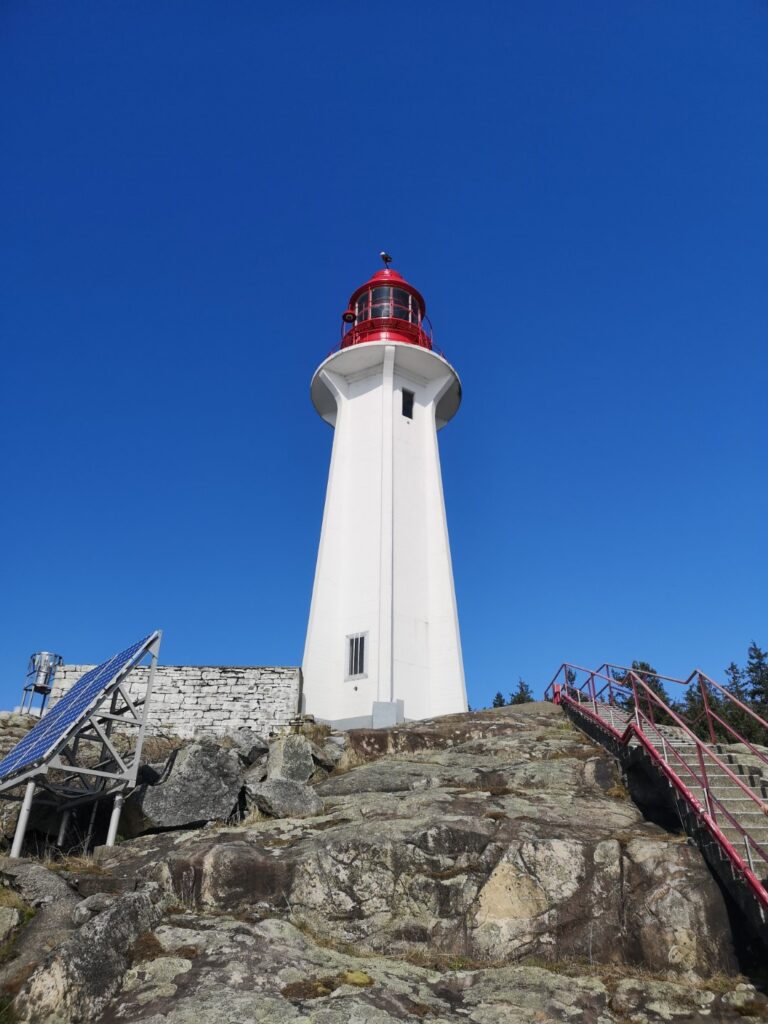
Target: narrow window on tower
{"points": [[408, 404], [356, 656]]}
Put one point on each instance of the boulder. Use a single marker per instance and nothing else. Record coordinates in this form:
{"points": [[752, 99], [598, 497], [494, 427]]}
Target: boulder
{"points": [[283, 798], [202, 784], [291, 758], [35, 884], [327, 755], [250, 745]]}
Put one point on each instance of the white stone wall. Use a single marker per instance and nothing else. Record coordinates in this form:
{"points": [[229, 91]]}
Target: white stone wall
{"points": [[208, 700]]}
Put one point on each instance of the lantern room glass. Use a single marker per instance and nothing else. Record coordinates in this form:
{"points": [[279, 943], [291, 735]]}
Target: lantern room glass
{"points": [[377, 303]]}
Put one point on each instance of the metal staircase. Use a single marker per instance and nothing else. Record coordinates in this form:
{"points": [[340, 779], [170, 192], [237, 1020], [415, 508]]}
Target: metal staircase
{"points": [[718, 784]]}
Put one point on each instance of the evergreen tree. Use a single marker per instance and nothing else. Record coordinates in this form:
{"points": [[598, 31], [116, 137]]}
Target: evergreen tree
{"points": [[741, 721], [648, 675], [756, 678], [498, 700], [691, 710], [522, 695]]}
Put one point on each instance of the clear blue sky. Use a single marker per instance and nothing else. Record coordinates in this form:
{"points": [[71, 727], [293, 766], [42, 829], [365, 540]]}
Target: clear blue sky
{"points": [[190, 191]]}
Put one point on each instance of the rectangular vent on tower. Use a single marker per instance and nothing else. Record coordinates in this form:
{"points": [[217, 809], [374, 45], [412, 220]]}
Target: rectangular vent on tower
{"points": [[356, 656], [408, 404]]}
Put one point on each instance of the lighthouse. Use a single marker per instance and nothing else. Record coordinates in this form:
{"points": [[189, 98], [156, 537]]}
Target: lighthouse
{"points": [[383, 642]]}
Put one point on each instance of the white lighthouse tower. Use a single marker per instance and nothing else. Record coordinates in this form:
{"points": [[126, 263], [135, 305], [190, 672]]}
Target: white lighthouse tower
{"points": [[383, 635]]}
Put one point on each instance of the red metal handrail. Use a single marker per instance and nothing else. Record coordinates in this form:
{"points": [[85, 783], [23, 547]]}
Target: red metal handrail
{"points": [[653, 698], [574, 695], [704, 681], [415, 333], [632, 731]]}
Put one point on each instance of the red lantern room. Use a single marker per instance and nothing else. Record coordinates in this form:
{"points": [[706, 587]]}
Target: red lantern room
{"points": [[386, 308]]}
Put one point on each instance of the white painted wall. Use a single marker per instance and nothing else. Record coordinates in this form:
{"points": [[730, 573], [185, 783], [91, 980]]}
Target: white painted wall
{"points": [[384, 562]]}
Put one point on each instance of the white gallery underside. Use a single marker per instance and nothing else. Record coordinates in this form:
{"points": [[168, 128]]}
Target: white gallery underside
{"points": [[384, 564]]}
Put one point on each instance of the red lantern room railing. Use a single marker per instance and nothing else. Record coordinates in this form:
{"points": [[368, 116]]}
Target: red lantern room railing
{"points": [[386, 308]]}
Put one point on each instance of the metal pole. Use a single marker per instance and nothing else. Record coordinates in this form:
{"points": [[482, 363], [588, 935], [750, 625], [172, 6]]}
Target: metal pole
{"points": [[63, 828], [705, 786], [21, 825], [634, 698], [89, 833], [749, 854], [114, 820], [703, 689]]}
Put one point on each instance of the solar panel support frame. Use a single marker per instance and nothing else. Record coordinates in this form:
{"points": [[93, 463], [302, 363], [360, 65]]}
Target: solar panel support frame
{"points": [[106, 783]]}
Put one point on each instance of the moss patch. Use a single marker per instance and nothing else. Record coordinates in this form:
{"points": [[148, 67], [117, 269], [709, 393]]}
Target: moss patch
{"points": [[316, 988], [147, 947]]}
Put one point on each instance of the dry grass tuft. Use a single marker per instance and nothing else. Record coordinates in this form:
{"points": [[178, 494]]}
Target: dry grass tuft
{"points": [[74, 864], [9, 898], [612, 974], [253, 816], [159, 747], [317, 732]]}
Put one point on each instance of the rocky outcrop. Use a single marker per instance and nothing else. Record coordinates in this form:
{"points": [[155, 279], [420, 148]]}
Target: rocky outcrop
{"points": [[210, 970], [494, 837], [77, 980], [486, 867]]}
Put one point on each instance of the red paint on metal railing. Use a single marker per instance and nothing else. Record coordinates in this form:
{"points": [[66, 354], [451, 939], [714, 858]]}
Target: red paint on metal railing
{"points": [[588, 700]]}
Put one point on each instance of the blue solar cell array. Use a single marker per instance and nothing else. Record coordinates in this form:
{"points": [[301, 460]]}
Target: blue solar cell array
{"points": [[72, 708]]}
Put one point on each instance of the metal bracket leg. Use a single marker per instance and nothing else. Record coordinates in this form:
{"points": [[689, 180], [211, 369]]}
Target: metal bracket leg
{"points": [[63, 828], [114, 820], [21, 825]]}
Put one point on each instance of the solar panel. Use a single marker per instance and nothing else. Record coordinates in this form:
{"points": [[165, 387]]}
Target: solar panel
{"points": [[53, 728]]}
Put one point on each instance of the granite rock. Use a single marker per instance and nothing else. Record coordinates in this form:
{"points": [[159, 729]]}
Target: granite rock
{"points": [[202, 783], [291, 758]]}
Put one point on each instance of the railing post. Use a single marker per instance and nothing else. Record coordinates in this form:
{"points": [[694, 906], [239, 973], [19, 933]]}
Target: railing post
{"points": [[593, 691], [634, 698], [705, 782], [749, 854], [704, 697]]}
